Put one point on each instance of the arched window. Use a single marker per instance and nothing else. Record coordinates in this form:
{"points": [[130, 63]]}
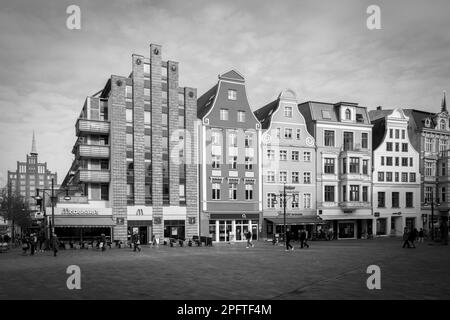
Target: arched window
{"points": [[348, 114], [443, 126]]}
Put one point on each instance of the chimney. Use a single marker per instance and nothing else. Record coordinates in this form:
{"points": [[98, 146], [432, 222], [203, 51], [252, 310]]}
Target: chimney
{"points": [[379, 108]]}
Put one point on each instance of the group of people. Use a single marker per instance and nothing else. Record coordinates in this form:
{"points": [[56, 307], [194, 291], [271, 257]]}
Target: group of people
{"points": [[303, 237], [37, 243], [136, 241], [409, 236]]}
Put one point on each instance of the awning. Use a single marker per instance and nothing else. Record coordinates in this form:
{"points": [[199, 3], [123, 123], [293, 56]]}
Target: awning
{"points": [[349, 217], [296, 220], [88, 221]]}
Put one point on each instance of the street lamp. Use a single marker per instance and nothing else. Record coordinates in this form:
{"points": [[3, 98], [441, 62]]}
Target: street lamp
{"points": [[38, 198], [283, 199], [431, 202]]}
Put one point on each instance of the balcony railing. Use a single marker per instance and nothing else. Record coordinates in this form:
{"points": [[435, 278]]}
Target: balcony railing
{"points": [[93, 176], [87, 126], [91, 151]]}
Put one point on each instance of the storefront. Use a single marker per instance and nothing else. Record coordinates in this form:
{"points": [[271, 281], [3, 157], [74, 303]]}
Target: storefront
{"points": [[143, 228], [233, 227], [174, 229], [358, 228], [275, 226]]}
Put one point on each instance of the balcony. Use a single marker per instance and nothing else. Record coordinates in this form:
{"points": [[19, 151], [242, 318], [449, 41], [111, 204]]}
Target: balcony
{"points": [[86, 127], [355, 205], [93, 176], [91, 151]]}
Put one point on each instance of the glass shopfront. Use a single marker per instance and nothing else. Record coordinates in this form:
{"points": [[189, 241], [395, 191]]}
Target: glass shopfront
{"points": [[381, 226], [346, 230], [232, 230], [174, 229]]}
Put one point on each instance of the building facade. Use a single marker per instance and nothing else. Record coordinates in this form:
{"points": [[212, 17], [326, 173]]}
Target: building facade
{"points": [[30, 175], [396, 174], [289, 159], [343, 136], [230, 162], [135, 155]]}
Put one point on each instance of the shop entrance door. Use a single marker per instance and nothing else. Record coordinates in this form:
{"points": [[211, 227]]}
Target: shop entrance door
{"points": [[143, 236]]}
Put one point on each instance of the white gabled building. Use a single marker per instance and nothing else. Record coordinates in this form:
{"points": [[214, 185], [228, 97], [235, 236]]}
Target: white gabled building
{"points": [[396, 174]]}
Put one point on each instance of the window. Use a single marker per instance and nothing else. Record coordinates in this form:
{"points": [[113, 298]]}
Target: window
{"points": [[359, 118], [248, 191], [233, 139], [428, 193], [270, 176], [410, 162], [389, 161], [295, 155], [216, 138], [348, 141], [278, 133], [344, 165], [442, 144], [329, 193], [233, 162], [397, 147], [409, 200], [442, 123], [329, 138], [428, 144], [397, 161], [295, 177], [224, 114], [380, 176], [271, 199], [428, 168], [404, 162], [344, 193], [388, 176], [329, 165], [364, 140], [307, 177], [283, 155], [232, 191], [295, 200], [129, 115], [397, 134], [443, 171], [397, 177], [395, 200], [307, 156], [365, 194], [288, 112], [307, 201], [354, 165], [270, 154], [354, 193], [298, 134], [129, 139], [287, 133], [365, 167], [388, 146], [382, 161], [232, 94], [381, 200], [104, 192], [443, 195], [403, 134], [248, 163], [283, 176], [241, 116], [348, 114], [404, 147], [216, 191], [404, 177], [391, 133], [215, 161], [412, 177], [248, 140]]}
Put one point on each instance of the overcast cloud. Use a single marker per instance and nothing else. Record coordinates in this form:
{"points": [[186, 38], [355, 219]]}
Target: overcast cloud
{"points": [[321, 49]]}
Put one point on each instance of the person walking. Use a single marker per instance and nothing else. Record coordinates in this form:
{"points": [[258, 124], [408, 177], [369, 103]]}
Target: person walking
{"points": [[136, 242], [288, 241], [303, 239], [421, 235], [25, 245], [55, 244], [412, 237], [103, 242], [406, 238], [33, 241], [249, 239]]}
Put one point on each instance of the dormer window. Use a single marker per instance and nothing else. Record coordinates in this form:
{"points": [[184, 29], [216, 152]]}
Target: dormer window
{"points": [[427, 122], [348, 114], [443, 126], [232, 94], [288, 112]]}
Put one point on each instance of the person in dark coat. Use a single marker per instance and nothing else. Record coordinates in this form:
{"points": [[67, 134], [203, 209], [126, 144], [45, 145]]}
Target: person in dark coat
{"points": [[303, 242], [249, 239], [421, 235], [136, 242], [55, 244], [103, 241], [288, 241], [412, 237], [406, 238]]}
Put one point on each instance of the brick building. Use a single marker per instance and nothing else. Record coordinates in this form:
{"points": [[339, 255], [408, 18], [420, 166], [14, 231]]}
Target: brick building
{"points": [[230, 161], [136, 154]]}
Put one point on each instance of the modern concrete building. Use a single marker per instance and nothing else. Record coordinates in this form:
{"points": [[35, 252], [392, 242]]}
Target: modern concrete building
{"points": [[30, 175], [289, 158], [230, 161], [430, 135], [135, 157], [396, 174], [343, 136]]}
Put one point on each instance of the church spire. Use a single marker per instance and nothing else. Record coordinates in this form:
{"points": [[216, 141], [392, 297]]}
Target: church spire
{"points": [[444, 104], [33, 146]]}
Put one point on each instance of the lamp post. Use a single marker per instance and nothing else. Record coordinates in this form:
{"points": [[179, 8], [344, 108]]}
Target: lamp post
{"points": [[53, 201], [283, 199], [431, 202]]}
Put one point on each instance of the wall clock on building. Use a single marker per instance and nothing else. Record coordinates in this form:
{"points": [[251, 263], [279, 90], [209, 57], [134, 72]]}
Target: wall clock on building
{"points": [[267, 138], [309, 141]]}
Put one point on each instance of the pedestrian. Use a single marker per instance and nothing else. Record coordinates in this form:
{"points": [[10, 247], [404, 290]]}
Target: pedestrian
{"points": [[288, 241], [412, 237], [25, 245], [136, 242], [103, 242], [421, 235], [41, 241], [249, 239], [33, 241], [303, 239], [406, 238], [55, 243]]}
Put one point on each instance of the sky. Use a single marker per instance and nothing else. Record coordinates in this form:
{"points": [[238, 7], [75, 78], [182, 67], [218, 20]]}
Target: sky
{"points": [[321, 49]]}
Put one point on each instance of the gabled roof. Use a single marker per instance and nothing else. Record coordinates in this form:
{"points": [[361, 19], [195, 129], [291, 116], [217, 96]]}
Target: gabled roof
{"points": [[264, 114], [205, 102], [418, 117], [232, 75]]}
